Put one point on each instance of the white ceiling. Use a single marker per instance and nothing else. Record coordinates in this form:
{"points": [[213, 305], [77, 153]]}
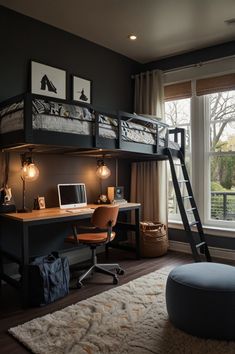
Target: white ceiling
{"points": [[163, 27]]}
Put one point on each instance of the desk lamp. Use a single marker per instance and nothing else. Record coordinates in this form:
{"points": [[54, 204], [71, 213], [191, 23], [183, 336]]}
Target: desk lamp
{"points": [[102, 172], [29, 173]]}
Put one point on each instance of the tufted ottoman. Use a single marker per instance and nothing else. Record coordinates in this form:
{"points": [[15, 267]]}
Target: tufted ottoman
{"points": [[200, 299]]}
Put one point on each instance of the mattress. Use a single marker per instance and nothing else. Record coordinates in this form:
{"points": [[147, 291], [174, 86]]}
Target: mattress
{"points": [[12, 117]]}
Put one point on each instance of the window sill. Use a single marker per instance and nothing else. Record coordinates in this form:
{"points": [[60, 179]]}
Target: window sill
{"points": [[209, 230]]}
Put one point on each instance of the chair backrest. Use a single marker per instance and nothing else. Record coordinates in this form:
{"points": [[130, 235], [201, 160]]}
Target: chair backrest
{"points": [[103, 215]]}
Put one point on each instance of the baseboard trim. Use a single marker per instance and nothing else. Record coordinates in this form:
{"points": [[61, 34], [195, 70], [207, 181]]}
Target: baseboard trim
{"points": [[222, 253]]}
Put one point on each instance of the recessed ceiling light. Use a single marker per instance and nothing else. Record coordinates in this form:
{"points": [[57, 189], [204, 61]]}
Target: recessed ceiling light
{"points": [[132, 37]]}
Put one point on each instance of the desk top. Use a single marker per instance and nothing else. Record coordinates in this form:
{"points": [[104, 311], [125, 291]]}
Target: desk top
{"points": [[53, 213]]}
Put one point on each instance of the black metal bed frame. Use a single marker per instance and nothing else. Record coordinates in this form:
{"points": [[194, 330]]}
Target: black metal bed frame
{"points": [[36, 137]]}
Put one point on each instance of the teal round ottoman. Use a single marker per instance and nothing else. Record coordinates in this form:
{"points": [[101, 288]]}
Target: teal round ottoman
{"points": [[200, 299]]}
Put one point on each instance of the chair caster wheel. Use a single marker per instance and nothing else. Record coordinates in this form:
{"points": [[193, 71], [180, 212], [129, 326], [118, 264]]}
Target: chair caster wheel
{"points": [[120, 271], [79, 285], [115, 280]]}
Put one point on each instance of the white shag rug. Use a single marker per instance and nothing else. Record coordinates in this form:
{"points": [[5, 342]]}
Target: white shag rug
{"points": [[131, 318]]}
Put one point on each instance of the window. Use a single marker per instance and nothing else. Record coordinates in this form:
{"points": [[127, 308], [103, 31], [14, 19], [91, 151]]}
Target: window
{"points": [[177, 114], [220, 159], [206, 109]]}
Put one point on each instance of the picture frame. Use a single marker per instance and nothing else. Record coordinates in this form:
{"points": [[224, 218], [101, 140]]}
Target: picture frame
{"points": [[47, 80], [39, 203], [81, 89]]}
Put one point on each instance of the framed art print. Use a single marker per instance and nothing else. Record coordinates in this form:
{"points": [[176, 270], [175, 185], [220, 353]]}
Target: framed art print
{"points": [[39, 203], [47, 80], [81, 89]]}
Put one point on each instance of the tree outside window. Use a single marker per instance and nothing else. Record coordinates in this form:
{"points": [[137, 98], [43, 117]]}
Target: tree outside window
{"points": [[222, 155]]}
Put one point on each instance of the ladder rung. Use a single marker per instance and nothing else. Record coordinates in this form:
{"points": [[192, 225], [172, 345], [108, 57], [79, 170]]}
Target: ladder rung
{"points": [[193, 223], [188, 210], [183, 181], [187, 196], [200, 244]]}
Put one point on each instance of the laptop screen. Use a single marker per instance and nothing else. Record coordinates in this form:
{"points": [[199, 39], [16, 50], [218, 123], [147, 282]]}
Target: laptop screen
{"points": [[72, 195]]}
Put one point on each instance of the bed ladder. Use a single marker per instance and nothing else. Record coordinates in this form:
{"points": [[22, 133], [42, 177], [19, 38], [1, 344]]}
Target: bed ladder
{"points": [[195, 246]]}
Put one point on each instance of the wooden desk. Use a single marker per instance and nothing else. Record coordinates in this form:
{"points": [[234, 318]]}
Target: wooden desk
{"points": [[49, 216]]}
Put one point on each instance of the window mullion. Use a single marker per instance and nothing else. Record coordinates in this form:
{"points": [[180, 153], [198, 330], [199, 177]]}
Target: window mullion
{"points": [[197, 149], [206, 165]]}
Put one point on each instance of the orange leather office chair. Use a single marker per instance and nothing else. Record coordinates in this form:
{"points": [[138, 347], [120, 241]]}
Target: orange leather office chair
{"points": [[103, 220]]}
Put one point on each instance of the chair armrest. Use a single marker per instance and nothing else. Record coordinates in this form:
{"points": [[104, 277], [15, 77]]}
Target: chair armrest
{"points": [[84, 227]]}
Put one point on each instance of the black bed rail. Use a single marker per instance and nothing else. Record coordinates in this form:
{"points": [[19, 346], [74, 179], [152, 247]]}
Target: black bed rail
{"points": [[11, 100], [97, 113], [31, 96], [157, 124], [28, 135], [179, 138]]}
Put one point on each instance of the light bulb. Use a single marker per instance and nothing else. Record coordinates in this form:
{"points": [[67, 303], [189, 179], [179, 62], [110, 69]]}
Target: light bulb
{"points": [[132, 37], [29, 172], [103, 172]]}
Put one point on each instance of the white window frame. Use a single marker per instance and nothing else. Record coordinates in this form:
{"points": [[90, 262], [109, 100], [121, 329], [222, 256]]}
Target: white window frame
{"points": [[200, 139], [207, 155]]}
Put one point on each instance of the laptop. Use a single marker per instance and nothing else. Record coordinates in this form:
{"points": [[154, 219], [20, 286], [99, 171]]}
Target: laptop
{"points": [[72, 195]]}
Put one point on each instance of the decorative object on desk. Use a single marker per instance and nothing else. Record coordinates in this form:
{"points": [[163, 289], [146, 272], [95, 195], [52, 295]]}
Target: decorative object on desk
{"points": [[154, 241], [81, 89], [116, 195], [103, 199], [29, 173], [39, 203], [7, 204], [131, 318], [119, 201], [47, 80]]}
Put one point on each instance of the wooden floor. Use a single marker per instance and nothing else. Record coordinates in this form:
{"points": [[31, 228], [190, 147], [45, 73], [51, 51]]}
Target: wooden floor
{"points": [[11, 313]]}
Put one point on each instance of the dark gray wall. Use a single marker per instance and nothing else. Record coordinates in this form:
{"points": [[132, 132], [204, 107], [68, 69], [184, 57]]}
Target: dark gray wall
{"points": [[55, 169], [23, 39], [193, 57]]}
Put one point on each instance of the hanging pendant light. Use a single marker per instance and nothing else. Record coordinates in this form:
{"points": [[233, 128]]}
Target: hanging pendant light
{"points": [[102, 171], [29, 172]]}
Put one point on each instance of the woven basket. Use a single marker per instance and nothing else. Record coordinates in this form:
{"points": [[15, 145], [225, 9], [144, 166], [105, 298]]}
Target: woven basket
{"points": [[154, 240]]}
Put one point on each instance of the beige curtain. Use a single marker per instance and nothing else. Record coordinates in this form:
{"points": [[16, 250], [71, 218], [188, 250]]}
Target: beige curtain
{"points": [[144, 188], [149, 93], [149, 179]]}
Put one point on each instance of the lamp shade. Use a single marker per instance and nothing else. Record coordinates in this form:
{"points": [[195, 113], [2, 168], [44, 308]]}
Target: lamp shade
{"points": [[103, 171], [29, 172]]}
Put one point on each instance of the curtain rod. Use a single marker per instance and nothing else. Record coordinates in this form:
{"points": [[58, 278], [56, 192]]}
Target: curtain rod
{"points": [[199, 64]]}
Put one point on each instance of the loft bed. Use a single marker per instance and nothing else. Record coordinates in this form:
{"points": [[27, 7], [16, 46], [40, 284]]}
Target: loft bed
{"points": [[52, 125]]}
